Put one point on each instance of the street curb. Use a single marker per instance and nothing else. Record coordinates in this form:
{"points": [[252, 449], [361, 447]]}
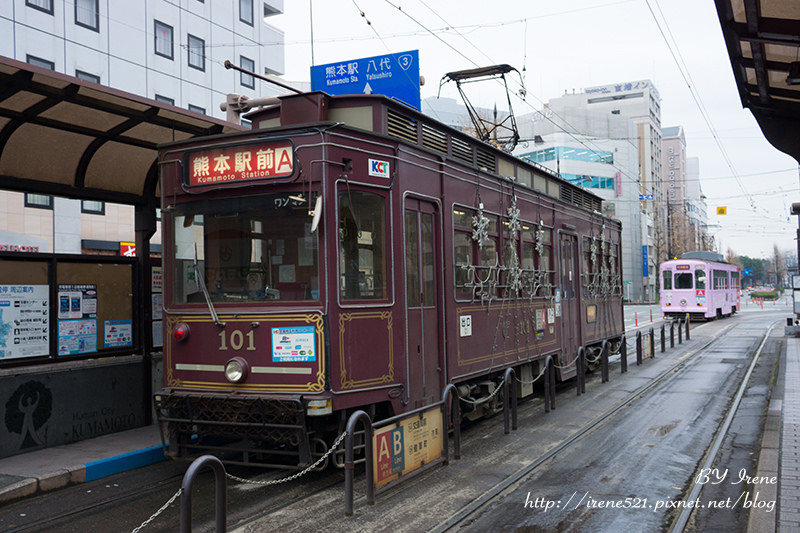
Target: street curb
{"points": [[82, 473]]}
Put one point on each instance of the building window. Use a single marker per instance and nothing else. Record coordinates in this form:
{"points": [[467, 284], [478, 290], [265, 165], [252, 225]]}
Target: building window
{"points": [[39, 62], [87, 14], [247, 80], [93, 207], [197, 53], [165, 99], [163, 39], [39, 201], [86, 76], [246, 11], [197, 109], [41, 5]]}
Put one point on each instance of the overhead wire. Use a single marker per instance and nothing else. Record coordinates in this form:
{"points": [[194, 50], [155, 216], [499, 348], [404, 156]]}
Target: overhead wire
{"points": [[623, 171]]}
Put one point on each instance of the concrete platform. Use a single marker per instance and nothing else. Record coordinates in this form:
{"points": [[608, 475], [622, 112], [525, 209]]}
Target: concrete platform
{"points": [[53, 468]]}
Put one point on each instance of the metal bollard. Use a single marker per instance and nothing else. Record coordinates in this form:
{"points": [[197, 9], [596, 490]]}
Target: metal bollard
{"points": [[604, 360], [549, 384], [652, 343], [451, 392], [510, 396], [349, 462], [219, 494], [672, 334], [687, 327], [663, 340], [580, 368], [638, 347], [623, 355], [680, 330]]}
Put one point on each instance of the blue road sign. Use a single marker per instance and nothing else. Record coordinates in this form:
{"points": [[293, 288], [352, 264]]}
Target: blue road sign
{"points": [[395, 75]]}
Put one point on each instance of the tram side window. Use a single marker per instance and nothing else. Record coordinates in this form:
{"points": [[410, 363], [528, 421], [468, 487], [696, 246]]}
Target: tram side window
{"points": [[700, 279], [720, 279], [667, 282], [587, 277], [474, 266], [362, 246], [683, 281], [509, 250], [735, 280], [545, 259]]}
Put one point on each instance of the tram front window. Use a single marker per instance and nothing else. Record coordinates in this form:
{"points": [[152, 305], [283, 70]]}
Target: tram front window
{"points": [[250, 249], [683, 281]]}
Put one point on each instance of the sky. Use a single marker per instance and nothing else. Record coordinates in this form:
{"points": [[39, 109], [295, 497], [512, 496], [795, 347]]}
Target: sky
{"points": [[559, 47]]}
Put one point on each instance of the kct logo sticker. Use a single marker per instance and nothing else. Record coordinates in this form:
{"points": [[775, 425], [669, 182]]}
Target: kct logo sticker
{"points": [[379, 169]]}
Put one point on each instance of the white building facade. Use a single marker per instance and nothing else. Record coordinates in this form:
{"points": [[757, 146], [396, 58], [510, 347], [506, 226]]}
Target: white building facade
{"points": [[170, 51], [608, 138]]}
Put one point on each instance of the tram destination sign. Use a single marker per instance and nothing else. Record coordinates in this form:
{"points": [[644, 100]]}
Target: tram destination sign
{"points": [[239, 163]]}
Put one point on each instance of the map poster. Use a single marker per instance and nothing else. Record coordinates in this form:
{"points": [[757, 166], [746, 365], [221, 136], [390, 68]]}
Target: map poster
{"points": [[24, 321]]}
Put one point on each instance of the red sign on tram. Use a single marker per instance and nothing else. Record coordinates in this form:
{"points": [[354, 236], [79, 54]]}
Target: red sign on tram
{"points": [[240, 163]]}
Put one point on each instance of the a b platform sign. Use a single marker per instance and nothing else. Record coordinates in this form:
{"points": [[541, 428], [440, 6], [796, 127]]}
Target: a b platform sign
{"points": [[405, 446]]}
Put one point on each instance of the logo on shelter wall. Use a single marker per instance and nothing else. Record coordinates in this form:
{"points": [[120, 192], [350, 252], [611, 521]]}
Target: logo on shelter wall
{"points": [[27, 412]]}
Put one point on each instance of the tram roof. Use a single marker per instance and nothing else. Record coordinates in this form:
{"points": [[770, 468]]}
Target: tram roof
{"points": [[387, 117], [63, 136], [763, 41]]}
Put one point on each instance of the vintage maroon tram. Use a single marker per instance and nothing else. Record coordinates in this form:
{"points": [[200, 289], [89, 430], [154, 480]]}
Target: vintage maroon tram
{"points": [[351, 253]]}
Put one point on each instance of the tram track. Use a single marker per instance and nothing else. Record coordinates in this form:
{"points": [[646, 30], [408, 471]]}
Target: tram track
{"points": [[693, 494], [466, 514]]}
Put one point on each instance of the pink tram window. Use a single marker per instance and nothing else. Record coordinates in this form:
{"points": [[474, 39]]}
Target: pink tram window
{"points": [[684, 280], [700, 279], [666, 284]]}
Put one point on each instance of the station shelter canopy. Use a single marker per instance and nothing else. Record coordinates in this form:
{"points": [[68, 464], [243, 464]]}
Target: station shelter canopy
{"points": [[63, 136], [763, 41]]}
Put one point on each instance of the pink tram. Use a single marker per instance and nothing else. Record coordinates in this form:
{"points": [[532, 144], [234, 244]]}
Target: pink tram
{"points": [[351, 253], [699, 284]]}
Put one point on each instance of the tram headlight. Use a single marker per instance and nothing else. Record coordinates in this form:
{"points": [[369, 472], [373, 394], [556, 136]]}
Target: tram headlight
{"points": [[180, 332], [236, 370]]}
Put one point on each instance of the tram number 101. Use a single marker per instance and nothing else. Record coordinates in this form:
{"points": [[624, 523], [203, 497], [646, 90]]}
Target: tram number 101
{"points": [[236, 340]]}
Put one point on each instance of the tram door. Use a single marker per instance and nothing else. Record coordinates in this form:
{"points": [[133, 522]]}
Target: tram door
{"points": [[422, 266], [570, 300]]}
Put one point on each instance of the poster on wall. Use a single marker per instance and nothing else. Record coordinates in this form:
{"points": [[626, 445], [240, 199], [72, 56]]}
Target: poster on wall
{"points": [[77, 319], [117, 333], [77, 301], [24, 321], [77, 336], [158, 306]]}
